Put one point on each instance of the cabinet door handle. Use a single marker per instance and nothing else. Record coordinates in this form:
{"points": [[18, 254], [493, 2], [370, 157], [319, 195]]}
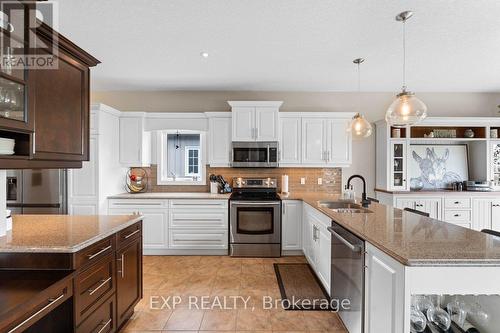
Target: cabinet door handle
{"points": [[328, 156], [283, 208], [132, 233], [102, 284], [256, 132], [104, 325], [122, 268], [92, 256], [52, 301]]}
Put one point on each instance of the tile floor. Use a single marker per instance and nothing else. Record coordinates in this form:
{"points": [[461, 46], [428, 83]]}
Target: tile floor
{"points": [[240, 282]]}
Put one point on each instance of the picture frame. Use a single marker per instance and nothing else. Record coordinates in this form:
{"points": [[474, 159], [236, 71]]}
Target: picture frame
{"points": [[437, 166]]}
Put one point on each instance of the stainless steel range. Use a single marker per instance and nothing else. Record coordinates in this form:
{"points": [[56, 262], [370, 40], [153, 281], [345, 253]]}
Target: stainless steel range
{"points": [[255, 218]]}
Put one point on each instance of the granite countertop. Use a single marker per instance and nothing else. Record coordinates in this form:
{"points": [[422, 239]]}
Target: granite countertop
{"points": [[442, 191], [170, 195], [412, 239], [61, 233]]}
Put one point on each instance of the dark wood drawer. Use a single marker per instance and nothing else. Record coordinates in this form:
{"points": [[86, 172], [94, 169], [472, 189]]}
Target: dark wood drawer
{"points": [[41, 305], [102, 320], [94, 252], [92, 285], [128, 234]]}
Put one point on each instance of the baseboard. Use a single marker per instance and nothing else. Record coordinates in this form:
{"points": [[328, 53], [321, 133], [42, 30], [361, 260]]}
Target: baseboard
{"points": [[292, 253]]}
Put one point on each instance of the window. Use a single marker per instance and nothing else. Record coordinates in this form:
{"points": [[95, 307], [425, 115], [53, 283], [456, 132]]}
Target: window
{"points": [[180, 158]]}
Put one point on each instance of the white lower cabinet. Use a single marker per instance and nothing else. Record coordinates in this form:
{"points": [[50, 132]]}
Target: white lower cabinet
{"points": [[384, 293], [317, 244], [154, 226], [187, 224], [486, 213], [291, 225], [427, 205]]}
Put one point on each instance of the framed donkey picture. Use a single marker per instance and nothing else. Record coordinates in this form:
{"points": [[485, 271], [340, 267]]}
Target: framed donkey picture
{"points": [[437, 166]]}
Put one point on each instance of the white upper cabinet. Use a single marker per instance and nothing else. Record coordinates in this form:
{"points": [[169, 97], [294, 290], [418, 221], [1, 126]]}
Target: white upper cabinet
{"points": [[326, 142], [290, 140], [219, 144], [135, 143], [255, 120], [339, 142], [313, 141], [266, 123]]}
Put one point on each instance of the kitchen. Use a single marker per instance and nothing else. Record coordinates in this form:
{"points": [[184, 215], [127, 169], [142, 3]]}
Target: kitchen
{"points": [[215, 172]]}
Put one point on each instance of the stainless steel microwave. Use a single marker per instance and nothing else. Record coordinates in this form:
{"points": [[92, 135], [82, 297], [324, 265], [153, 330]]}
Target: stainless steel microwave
{"points": [[255, 154]]}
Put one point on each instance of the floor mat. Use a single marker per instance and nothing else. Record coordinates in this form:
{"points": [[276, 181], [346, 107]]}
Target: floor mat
{"points": [[300, 288]]}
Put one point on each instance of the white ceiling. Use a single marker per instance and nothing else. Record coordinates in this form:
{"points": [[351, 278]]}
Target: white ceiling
{"points": [[281, 45]]}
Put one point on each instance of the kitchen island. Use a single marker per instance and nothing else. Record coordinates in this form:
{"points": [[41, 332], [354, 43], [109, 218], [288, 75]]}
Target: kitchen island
{"points": [[406, 254], [88, 268]]}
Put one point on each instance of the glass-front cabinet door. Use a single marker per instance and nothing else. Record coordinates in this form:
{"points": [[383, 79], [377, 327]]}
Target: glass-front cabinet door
{"points": [[14, 49], [398, 165], [495, 162]]}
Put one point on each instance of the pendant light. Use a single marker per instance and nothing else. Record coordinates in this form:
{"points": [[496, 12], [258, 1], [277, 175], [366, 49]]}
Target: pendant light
{"points": [[360, 127], [406, 109]]}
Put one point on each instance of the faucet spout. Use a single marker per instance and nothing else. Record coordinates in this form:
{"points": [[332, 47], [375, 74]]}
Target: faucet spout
{"points": [[364, 200]]}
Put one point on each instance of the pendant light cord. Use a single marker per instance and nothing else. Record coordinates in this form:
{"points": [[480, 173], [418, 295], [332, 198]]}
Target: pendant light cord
{"points": [[404, 55], [359, 86]]}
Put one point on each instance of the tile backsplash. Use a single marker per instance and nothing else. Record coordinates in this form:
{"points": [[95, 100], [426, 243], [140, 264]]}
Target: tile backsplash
{"points": [[331, 179]]}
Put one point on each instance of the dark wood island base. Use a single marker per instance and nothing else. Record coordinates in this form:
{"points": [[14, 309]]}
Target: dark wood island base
{"points": [[92, 290]]}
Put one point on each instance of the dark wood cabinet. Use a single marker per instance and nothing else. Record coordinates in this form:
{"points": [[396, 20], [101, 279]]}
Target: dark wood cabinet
{"points": [[102, 285], [50, 119], [129, 279]]}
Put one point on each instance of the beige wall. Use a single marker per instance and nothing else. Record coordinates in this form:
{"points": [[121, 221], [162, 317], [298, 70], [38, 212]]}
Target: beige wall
{"points": [[372, 105]]}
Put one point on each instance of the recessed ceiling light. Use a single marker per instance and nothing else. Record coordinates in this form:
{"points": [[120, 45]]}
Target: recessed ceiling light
{"points": [[204, 54]]}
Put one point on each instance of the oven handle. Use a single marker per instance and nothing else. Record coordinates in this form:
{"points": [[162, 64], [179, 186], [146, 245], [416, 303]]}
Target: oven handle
{"points": [[354, 248], [255, 204], [267, 154]]}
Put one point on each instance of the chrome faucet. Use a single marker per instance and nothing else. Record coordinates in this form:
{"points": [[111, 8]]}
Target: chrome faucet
{"points": [[364, 200]]}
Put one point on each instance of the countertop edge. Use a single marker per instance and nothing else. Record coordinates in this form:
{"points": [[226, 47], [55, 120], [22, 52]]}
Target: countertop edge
{"points": [[74, 249]]}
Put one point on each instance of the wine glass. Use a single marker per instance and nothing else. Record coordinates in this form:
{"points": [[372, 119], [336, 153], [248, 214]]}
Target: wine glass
{"points": [[478, 314], [457, 311], [421, 303], [439, 317], [418, 322]]}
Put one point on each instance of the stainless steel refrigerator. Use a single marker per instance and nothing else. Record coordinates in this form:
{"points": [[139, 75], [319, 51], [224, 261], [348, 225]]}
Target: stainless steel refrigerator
{"points": [[36, 191]]}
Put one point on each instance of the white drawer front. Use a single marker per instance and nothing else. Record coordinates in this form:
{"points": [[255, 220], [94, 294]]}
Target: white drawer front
{"points": [[198, 239], [195, 203], [457, 203], [205, 219], [467, 225], [457, 216], [136, 203]]}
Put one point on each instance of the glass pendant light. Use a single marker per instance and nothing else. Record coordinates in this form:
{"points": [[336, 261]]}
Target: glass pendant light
{"points": [[406, 109], [360, 127]]}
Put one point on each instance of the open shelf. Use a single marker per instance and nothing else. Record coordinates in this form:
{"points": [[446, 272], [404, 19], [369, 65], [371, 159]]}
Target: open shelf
{"points": [[22, 148], [402, 131], [418, 132]]}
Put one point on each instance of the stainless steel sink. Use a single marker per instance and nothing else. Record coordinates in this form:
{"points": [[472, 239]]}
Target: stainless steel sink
{"points": [[344, 207]]}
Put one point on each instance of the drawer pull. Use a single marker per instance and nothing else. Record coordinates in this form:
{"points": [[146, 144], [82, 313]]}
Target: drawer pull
{"points": [[122, 262], [103, 283], [52, 301], [104, 325], [456, 202], [456, 215], [195, 219], [92, 256], [132, 233]]}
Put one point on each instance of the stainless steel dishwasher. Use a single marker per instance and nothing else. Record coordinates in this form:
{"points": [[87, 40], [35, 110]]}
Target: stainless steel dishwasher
{"points": [[348, 276]]}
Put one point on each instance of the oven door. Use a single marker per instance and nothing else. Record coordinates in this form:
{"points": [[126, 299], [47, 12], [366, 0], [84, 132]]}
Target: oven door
{"points": [[255, 222]]}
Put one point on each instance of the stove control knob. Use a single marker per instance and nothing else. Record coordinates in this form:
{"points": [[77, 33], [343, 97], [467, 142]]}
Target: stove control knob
{"points": [[266, 182], [272, 182], [238, 182]]}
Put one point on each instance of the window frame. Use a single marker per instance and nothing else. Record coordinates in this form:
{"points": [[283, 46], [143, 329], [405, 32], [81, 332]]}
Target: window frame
{"points": [[187, 149], [161, 144]]}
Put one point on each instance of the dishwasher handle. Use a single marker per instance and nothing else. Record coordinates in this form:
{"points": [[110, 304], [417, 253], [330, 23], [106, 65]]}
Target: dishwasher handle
{"points": [[354, 248]]}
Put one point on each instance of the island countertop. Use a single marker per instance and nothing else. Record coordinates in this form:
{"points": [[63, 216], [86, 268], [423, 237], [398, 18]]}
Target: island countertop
{"points": [[61, 233], [412, 239]]}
